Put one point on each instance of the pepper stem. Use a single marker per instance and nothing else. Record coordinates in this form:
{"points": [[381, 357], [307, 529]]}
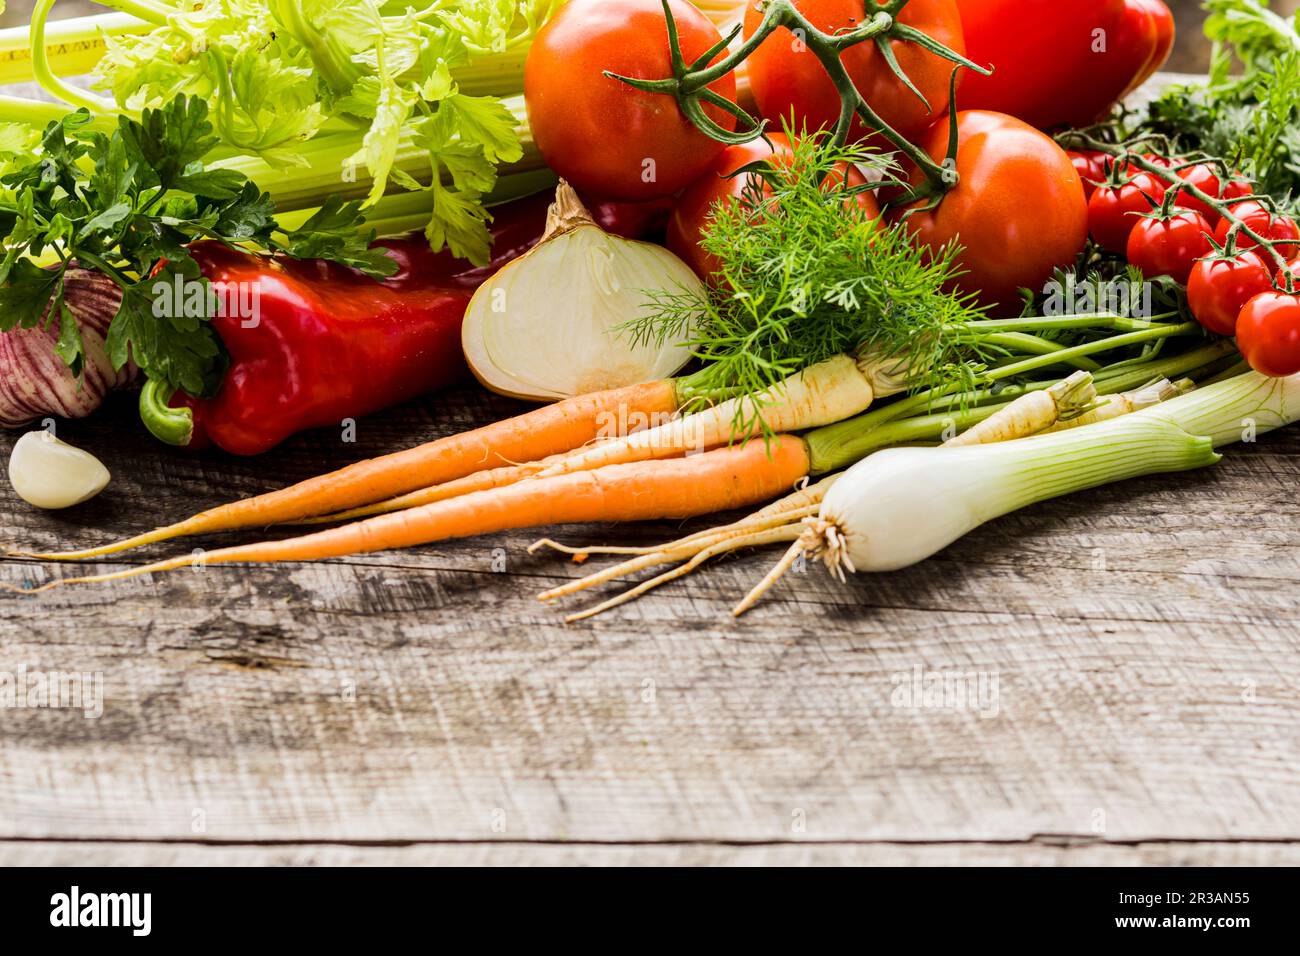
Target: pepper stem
{"points": [[174, 426]]}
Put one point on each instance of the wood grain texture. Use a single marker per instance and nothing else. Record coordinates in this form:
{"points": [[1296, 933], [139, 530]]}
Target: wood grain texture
{"points": [[503, 853], [1138, 646], [1143, 639]]}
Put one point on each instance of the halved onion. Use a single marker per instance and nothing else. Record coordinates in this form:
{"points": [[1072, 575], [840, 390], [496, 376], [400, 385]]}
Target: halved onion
{"points": [[546, 326]]}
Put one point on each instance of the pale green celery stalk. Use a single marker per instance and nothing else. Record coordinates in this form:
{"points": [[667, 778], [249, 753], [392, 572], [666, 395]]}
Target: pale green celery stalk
{"points": [[399, 213], [902, 505], [329, 172], [39, 114], [71, 46]]}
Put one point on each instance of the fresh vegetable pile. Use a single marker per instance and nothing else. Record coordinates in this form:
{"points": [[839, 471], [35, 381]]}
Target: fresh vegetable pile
{"points": [[923, 274]]}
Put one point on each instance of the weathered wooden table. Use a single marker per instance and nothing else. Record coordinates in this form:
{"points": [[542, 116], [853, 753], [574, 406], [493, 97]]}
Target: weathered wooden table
{"points": [[1132, 657], [1133, 653]]}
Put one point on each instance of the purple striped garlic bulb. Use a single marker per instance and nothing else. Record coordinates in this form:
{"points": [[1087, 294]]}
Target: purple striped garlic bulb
{"points": [[34, 381]]}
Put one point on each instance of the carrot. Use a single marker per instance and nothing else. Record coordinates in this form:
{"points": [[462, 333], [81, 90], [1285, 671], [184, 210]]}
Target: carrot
{"points": [[534, 435], [676, 488], [825, 393]]}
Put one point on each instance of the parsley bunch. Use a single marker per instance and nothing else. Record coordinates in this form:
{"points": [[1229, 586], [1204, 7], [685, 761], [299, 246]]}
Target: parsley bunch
{"points": [[127, 203], [1250, 118]]}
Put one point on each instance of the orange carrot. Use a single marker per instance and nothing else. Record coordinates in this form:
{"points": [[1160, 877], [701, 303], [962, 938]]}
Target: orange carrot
{"points": [[674, 488], [538, 434], [828, 392]]}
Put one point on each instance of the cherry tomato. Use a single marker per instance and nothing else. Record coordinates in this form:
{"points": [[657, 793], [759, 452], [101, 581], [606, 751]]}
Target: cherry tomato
{"points": [[603, 136], [1218, 288], [1290, 276], [1170, 247], [1268, 333], [1257, 216], [1093, 167], [1237, 188], [1113, 211], [789, 82], [1205, 178], [1018, 209], [695, 205]]}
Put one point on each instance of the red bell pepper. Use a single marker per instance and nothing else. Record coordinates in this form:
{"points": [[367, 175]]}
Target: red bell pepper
{"points": [[327, 343], [1062, 62]]}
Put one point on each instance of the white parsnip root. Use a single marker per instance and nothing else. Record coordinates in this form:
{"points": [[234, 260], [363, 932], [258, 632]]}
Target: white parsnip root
{"points": [[1032, 413], [1125, 403]]}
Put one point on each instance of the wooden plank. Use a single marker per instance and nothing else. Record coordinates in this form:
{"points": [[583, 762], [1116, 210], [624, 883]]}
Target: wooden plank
{"points": [[1143, 640], [691, 854]]}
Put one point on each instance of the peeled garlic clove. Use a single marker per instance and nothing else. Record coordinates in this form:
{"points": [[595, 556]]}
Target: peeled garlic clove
{"points": [[52, 474]]}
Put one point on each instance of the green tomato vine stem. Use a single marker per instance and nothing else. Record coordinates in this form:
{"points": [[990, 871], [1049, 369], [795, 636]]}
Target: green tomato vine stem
{"points": [[689, 83]]}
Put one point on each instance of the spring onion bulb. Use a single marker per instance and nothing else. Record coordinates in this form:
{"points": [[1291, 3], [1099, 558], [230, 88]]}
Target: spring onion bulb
{"points": [[547, 326], [902, 505]]}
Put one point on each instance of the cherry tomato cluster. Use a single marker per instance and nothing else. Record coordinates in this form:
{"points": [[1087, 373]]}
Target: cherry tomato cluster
{"points": [[1233, 286]]}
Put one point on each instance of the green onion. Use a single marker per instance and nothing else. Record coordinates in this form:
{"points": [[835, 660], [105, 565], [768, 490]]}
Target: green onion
{"points": [[902, 505]]}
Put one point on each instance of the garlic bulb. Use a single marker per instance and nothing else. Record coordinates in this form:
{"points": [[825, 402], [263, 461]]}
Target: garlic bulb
{"points": [[52, 474], [35, 381], [546, 326]]}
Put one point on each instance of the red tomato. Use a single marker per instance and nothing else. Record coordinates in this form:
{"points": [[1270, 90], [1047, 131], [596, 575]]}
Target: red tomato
{"points": [[1259, 219], [1237, 189], [1268, 333], [789, 81], [695, 205], [1218, 288], [1018, 209], [1093, 167], [1049, 67], [1205, 178], [603, 136], [1113, 211], [1290, 276], [1170, 247]]}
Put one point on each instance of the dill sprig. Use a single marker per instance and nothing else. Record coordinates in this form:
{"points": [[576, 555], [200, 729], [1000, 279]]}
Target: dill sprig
{"points": [[806, 274]]}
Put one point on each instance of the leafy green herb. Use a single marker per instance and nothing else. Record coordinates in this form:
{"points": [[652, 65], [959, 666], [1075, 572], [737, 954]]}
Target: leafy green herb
{"points": [[806, 275], [377, 75], [128, 204], [1251, 118]]}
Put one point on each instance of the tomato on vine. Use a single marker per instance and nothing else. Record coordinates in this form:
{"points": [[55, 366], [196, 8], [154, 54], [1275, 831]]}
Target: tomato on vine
{"points": [[694, 207], [1268, 333], [1162, 245], [1113, 211], [606, 138], [790, 84], [1259, 219], [1219, 287], [1205, 178], [1017, 210]]}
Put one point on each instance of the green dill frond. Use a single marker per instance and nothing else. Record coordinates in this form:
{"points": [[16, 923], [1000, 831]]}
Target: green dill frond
{"points": [[806, 274]]}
